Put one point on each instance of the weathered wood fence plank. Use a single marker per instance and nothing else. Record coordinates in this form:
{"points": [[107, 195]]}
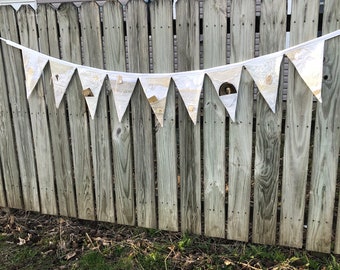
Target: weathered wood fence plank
{"points": [[242, 32], [60, 161], [114, 43], [49, 44], [3, 202], [326, 141], [214, 127], [304, 24], [138, 53], [166, 147], [20, 112], [99, 128], [28, 32], [78, 119], [268, 131], [9, 169], [187, 27]]}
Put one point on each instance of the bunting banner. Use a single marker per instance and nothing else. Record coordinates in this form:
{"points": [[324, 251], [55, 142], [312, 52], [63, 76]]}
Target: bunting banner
{"points": [[122, 85], [266, 75], [92, 83], [61, 77], [34, 64], [190, 86], [308, 61], [156, 90], [218, 78], [307, 58]]}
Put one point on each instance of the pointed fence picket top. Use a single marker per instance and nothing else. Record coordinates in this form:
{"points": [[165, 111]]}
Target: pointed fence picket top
{"points": [[34, 64], [61, 77], [308, 61], [156, 90], [189, 86], [91, 79], [266, 75], [122, 86]]}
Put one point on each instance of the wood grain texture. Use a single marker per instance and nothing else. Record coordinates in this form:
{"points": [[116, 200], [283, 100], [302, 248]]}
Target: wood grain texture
{"points": [[166, 147], [10, 182], [268, 131], [3, 202], [79, 127], [40, 130], [49, 44], [214, 127], [187, 27], [20, 112], [99, 127], [114, 53], [137, 31], [242, 32], [326, 141], [304, 20]]}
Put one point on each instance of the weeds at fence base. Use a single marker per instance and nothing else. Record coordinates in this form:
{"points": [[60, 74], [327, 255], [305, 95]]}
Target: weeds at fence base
{"points": [[32, 241]]}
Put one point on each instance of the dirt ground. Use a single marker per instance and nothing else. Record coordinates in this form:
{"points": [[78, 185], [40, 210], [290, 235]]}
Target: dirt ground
{"points": [[33, 241]]}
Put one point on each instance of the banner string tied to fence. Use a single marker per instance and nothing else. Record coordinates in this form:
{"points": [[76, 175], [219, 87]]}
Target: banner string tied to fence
{"points": [[306, 57]]}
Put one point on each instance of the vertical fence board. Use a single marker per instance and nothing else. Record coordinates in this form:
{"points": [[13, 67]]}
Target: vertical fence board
{"points": [[137, 31], [40, 129], [187, 27], [120, 131], [100, 140], [2, 189], [79, 129], [49, 44], [268, 131], [162, 48], [20, 113], [8, 153], [242, 32], [326, 141], [304, 22], [214, 127]]}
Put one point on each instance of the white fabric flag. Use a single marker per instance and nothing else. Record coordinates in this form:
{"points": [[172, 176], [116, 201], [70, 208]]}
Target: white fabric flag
{"points": [[92, 82], [308, 61], [156, 90], [266, 74], [189, 85], [34, 64], [230, 75], [122, 85], [61, 77], [230, 102]]}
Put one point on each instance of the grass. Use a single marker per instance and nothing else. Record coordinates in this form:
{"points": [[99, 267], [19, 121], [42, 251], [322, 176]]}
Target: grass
{"points": [[32, 241]]}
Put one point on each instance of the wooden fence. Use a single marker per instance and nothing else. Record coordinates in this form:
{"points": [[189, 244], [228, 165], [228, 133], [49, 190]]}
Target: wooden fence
{"points": [[266, 178]]}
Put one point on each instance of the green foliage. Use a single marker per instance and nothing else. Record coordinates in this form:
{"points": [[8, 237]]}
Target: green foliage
{"points": [[185, 242], [94, 260]]}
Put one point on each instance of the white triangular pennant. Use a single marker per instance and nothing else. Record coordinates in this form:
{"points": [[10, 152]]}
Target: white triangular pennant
{"points": [[230, 75], [122, 86], [156, 90], [266, 74], [61, 76], [189, 85], [92, 105], [227, 74], [123, 2], [34, 64], [308, 61], [92, 80], [230, 102]]}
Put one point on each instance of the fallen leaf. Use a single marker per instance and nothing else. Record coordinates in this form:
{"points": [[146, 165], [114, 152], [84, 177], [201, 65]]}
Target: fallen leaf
{"points": [[70, 255]]}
